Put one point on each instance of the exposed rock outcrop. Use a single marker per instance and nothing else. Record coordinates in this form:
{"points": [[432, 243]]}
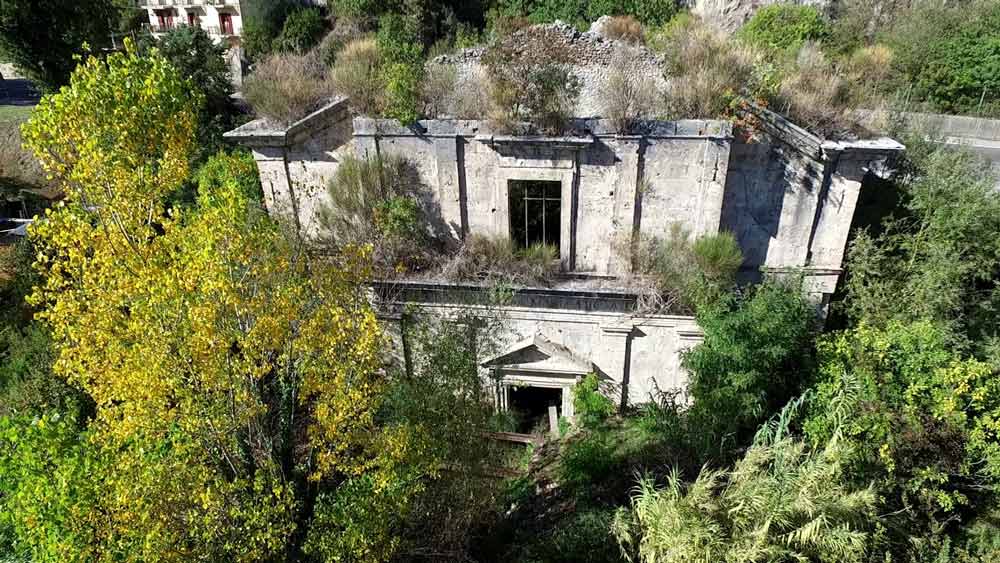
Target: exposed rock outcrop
{"points": [[729, 15]]}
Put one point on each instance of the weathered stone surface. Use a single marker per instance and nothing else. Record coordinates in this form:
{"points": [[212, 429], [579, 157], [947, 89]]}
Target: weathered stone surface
{"points": [[729, 15]]}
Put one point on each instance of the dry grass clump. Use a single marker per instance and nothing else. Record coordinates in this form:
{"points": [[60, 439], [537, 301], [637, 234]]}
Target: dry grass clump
{"points": [[678, 273], [624, 28], [438, 89], [356, 75], [287, 87], [706, 70], [495, 259], [815, 96], [627, 95]]}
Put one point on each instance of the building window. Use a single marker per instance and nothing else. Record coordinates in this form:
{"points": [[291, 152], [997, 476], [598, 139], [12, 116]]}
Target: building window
{"points": [[226, 24], [534, 212], [192, 19], [164, 19]]}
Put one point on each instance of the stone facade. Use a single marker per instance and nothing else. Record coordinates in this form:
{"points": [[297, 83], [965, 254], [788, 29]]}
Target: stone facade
{"points": [[788, 196]]}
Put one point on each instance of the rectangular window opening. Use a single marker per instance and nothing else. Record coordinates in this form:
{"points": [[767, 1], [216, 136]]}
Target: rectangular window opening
{"points": [[534, 213]]}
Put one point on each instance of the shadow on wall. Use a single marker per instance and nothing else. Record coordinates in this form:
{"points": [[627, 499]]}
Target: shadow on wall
{"points": [[761, 176]]}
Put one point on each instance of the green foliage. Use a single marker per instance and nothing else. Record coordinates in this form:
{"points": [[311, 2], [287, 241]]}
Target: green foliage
{"points": [[222, 170], [302, 30], [402, 68], [687, 275], [402, 92], [591, 407], [588, 459], [785, 27], [43, 37], [755, 357], [781, 502], [256, 40], [201, 60], [356, 74], [938, 258], [583, 537], [948, 56], [920, 419]]}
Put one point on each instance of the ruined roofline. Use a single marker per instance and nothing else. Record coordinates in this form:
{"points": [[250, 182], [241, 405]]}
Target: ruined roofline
{"points": [[265, 133], [580, 131], [814, 146]]}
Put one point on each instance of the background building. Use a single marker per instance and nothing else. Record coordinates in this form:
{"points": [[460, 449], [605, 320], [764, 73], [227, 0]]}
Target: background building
{"points": [[222, 19]]}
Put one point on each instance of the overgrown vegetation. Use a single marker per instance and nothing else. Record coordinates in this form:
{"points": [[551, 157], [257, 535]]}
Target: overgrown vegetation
{"points": [[287, 87]]}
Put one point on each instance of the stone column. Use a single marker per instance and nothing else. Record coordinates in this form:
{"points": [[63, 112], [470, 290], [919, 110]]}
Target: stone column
{"points": [[616, 342]]}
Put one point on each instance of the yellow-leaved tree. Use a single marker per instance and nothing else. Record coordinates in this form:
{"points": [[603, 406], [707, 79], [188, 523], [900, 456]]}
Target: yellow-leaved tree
{"points": [[236, 380]]}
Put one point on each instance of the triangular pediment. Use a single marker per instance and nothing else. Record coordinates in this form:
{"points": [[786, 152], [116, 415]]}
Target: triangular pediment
{"points": [[539, 354]]}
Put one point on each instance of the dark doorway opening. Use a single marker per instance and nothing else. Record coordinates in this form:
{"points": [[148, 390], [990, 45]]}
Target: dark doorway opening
{"points": [[534, 212], [531, 407]]}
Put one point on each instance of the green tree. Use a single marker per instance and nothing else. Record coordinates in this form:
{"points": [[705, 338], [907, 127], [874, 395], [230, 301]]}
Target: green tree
{"points": [[948, 56], [755, 357], [301, 31], [236, 381], [43, 37], [402, 66], [201, 60], [938, 255]]}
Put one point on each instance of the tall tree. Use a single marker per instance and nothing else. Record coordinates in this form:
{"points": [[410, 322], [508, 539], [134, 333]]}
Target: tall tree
{"points": [[42, 37], [236, 381]]}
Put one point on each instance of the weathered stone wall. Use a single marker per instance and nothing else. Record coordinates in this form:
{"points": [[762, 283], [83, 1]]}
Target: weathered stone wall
{"points": [[592, 54], [729, 15], [635, 357], [611, 185], [788, 196]]}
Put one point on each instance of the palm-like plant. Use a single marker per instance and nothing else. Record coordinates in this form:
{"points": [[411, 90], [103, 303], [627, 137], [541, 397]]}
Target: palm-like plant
{"points": [[780, 502]]}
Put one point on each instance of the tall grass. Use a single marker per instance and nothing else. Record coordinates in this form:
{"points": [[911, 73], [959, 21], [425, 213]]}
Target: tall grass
{"points": [[287, 87]]}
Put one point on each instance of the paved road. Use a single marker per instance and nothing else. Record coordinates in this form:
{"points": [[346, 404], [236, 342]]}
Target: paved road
{"points": [[18, 92]]}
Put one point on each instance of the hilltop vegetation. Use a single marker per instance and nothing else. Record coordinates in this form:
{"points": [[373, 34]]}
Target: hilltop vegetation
{"points": [[182, 380]]}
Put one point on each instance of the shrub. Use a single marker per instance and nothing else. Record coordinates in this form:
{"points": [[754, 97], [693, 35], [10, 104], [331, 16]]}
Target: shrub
{"points": [[438, 90], [302, 31], [781, 502], [495, 259], [236, 168], [784, 27], [344, 31], [706, 70], [755, 357], [533, 83], [402, 92], [591, 407], [624, 28], [686, 275], [285, 88], [815, 96], [626, 94], [356, 76], [257, 40], [915, 414], [377, 201], [948, 56], [587, 458]]}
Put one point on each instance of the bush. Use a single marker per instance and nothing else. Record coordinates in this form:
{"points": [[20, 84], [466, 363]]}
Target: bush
{"points": [[624, 28], [781, 502], [438, 90], [915, 414], [587, 458], [755, 357], [815, 96], [356, 76], [377, 201], [257, 40], [494, 259], [302, 31], [591, 407], [285, 88], [532, 82], [948, 56], [685, 276], [784, 27], [706, 71], [402, 92], [237, 168], [627, 95]]}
